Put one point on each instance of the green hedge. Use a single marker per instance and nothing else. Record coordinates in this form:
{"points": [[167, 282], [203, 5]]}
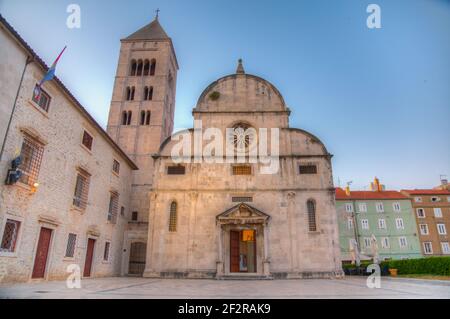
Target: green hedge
{"points": [[427, 266]]}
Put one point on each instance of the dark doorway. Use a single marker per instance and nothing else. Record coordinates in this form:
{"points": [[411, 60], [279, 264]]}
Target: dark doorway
{"points": [[40, 261], [138, 252], [89, 257]]}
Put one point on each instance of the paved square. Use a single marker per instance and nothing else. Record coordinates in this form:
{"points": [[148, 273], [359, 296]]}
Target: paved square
{"points": [[222, 289]]}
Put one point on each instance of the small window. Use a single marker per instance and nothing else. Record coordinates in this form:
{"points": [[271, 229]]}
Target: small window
{"points": [[397, 208], [133, 68], [364, 223], [113, 207], [437, 212], [134, 216], [435, 199], [242, 170], [350, 223], [241, 199], [418, 199], [71, 243], [420, 213], [147, 118], [31, 154], [349, 207], [122, 211], [130, 93], [308, 169], [311, 207], [116, 166], [176, 170], [445, 248], [363, 207], [382, 224], [399, 223], [106, 251], [43, 99], [402, 242], [380, 207], [139, 68], [367, 242], [80, 197], [146, 67], [385, 242], [10, 236], [424, 229], [441, 229], [87, 140], [173, 217], [427, 247]]}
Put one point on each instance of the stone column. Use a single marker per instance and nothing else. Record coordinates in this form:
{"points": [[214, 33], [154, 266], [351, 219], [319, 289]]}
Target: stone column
{"points": [[219, 262], [266, 260], [292, 230]]}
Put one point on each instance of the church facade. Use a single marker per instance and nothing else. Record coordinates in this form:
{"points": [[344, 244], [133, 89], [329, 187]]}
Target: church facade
{"points": [[218, 219]]}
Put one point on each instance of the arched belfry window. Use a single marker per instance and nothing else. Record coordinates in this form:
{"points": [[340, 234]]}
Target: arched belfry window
{"points": [[129, 117], [133, 67], [139, 68], [152, 67], [147, 118], [142, 117], [173, 217], [146, 67], [311, 207], [124, 118], [130, 93], [150, 93]]}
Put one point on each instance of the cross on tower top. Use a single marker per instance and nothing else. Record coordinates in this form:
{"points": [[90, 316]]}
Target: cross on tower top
{"points": [[157, 13]]}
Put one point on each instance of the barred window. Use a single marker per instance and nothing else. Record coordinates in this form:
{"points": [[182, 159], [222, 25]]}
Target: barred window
{"points": [[43, 99], [173, 217], [71, 242], [106, 251], [10, 235], [311, 206], [241, 199], [176, 170], [87, 140], [31, 154], [80, 197], [242, 170], [116, 166], [134, 216], [308, 169], [113, 207]]}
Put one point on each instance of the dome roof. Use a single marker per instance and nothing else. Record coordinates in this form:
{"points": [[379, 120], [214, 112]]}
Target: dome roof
{"points": [[241, 92]]}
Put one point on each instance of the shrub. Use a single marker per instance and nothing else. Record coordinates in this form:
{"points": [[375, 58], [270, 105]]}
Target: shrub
{"points": [[427, 266]]}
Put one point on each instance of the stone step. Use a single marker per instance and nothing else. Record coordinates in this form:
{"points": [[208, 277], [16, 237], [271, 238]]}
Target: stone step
{"points": [[246, 277]]}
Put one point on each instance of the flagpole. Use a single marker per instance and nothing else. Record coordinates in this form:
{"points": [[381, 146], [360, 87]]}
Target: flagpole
{"points": [[28, 61]]}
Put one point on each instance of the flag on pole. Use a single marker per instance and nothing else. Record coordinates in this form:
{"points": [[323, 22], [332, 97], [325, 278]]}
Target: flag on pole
{"points": [[48, 76]]}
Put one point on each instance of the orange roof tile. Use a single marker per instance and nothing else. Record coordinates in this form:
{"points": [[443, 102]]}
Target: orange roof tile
{"points": [[426, 191], [341, 195]]}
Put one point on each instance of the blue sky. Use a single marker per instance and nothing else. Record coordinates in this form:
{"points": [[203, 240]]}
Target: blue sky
{"points": [[378, 98]]}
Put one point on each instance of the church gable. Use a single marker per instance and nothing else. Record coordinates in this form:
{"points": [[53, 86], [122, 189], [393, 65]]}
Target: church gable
{"points": [[243, 213]]}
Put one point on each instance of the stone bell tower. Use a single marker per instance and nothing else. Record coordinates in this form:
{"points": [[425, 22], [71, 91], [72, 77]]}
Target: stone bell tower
{"points": [[143, 104]]}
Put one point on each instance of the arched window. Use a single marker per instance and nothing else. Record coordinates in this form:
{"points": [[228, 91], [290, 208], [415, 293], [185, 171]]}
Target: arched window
{"points": [[173, 217], [132, 93], [146, 67], [311, 206], [133, 68], [128, 93], [145, 93], [150, 93], [147, 118], [139, 68], [152, 67], [124, 118], [129, 117], [142, 117]]}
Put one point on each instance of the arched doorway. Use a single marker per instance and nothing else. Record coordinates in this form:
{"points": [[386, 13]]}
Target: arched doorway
{"points": [[138, 252]]}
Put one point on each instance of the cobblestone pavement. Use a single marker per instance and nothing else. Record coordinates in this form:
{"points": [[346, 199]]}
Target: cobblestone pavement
{"points": [[222, 289]]}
